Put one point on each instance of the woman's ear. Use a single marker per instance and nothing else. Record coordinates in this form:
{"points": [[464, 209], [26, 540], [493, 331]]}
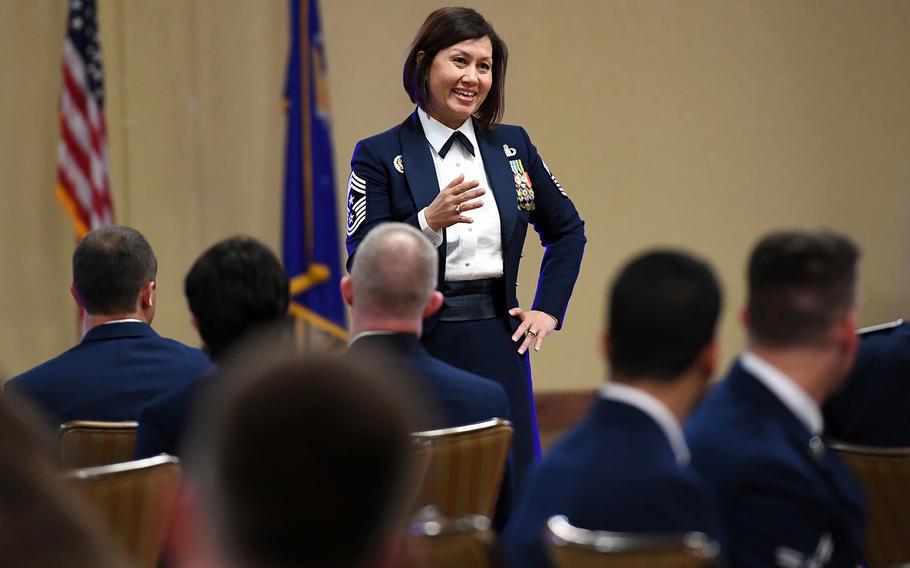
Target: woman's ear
{"points": [[420, 55]]}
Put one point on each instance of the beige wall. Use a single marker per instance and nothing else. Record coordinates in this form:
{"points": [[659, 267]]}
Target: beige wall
{"points": [[698, 124]]}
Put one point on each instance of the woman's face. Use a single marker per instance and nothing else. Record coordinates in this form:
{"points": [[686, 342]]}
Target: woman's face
{"points": [[460, 77]]}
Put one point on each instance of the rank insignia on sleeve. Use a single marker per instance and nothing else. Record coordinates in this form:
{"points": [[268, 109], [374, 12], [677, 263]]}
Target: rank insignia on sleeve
{"points": [[523, 189], [555, 181], [399, 164], [357, 202]]}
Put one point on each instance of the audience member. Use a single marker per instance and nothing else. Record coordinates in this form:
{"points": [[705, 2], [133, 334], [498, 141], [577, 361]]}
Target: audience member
{"points": [[236, 286], [298, 462], [42, 522], [625, 467], [785, 498], [872, 407], [391, 289], [121, 362]]}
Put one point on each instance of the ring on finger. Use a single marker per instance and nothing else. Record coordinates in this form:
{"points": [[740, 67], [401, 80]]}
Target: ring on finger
{"points": [[532, 332], [458, 208]]}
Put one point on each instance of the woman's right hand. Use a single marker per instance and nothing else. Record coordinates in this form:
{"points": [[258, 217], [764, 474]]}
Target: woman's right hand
{"points": [[448, 207]]}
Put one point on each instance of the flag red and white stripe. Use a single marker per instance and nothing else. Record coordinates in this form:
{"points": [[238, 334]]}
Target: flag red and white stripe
{"points": [[83, 183]]}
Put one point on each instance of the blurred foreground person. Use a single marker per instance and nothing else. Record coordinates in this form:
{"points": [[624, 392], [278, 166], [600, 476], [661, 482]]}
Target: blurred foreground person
{"points": [[234, 288], [786, 499], [121, 362], [299, 461], [43, 524], [626, 466]]}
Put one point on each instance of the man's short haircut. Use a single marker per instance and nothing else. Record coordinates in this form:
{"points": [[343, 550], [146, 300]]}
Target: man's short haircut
{"points": [[800, 283], [110, 267], [664, 307], [301, 460], [236, 285], [395, 270]]}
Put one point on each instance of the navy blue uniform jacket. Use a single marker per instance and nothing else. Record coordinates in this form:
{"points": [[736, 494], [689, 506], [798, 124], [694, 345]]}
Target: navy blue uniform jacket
{"points": [[378, 193], [615, 471], [462, 397], [116, 369], [783, 503], [163, 421], [873, 407]]}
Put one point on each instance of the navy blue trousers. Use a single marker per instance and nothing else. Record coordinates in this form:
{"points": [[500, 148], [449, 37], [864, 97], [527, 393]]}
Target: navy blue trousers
{"points": [[485, 347]]}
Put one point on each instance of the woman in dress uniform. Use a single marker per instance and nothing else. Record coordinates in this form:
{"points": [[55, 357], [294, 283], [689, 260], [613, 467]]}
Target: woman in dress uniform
{"points": [[472, 186]]}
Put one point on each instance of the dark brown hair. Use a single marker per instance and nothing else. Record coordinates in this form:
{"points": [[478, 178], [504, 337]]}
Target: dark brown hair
{"points": [[800, 283], [441, 29]]}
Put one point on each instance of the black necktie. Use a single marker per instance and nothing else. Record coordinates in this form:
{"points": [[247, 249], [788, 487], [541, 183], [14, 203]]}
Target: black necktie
{"points": [[465, 143]]}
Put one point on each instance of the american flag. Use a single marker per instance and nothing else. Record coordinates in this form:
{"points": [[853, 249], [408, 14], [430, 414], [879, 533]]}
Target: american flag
{"points": [[83, 185]]}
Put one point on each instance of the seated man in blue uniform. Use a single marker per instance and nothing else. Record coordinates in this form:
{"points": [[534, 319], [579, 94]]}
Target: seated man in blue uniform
{"points": [[785, 498], [872, 407], [236, 286], [391, 289], [121, 363], [625, 467]]}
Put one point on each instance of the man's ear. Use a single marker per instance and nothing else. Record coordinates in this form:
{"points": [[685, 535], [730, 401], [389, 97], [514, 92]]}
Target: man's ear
{"points": [[420, 55], [75, 295], [347, 289], [744, 317], [433, 304], [194, 321], [148, 294], [606, 345]]}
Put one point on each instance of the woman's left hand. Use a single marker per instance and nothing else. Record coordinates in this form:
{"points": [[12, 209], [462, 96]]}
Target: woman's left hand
{"points": [[535, 325]]}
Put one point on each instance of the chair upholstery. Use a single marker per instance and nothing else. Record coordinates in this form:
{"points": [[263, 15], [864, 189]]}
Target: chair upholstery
{"points": [[436, 542], [86, 443], [136, 499], [885, 475], [572, 547], [466, 466]]}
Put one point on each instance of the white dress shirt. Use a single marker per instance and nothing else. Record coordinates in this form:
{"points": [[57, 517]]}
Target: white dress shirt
{"points": [[473, 250], [792, 396], [654, 408]]}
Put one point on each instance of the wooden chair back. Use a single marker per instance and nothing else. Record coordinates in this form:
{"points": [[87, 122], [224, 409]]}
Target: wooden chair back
{"points": [[88, 443], [136, 500], [573, 547], [465, 467], [436, 542], [885, 475]]}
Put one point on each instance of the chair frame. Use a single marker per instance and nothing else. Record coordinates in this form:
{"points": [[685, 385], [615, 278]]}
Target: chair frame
{"points": [[98, 471], [561, 533], [877, 554], [430, 435], [93, 426], [874, 451], [425, 443]]}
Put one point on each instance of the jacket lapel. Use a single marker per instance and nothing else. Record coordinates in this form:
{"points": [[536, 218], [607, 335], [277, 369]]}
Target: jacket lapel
{"points": [[499, 172], [418, 163]]}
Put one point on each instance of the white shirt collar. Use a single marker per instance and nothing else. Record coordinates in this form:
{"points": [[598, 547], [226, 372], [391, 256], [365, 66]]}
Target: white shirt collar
{"points": [[367, 333], [790, 394], [654, 408], [134, 320], [438, 134]]}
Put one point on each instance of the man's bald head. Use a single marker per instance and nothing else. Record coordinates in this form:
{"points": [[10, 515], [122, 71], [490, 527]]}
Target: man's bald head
{"points": [[394, 272]]}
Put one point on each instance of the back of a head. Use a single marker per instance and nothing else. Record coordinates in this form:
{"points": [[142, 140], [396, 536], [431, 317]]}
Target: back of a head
{"points": [[800, 284], [43, 524], [110, 267], [301, 460], [395, 270], [664, 307], [236, 285]]}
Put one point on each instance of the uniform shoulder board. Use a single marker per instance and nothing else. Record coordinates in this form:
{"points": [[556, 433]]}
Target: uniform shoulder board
{"points": [[880, 327]]}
